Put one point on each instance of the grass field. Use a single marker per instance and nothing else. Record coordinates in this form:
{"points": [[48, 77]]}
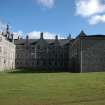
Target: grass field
{"points": [[52, 89]]}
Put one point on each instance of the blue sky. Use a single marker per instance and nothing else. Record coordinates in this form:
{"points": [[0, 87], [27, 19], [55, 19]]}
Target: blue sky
{"points": [[54, 16]]}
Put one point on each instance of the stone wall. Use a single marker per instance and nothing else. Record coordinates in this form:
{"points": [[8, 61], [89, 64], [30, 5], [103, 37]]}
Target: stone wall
{"points": [[42, 55], [75, 56], [93, 54], [7, 54]]}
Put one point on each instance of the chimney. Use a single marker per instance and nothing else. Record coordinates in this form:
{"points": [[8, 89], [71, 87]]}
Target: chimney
{"points": [[27, 37], [18, 37], [12, 38], [7, 29], [56, 37], [41, 35], [69, 37]]}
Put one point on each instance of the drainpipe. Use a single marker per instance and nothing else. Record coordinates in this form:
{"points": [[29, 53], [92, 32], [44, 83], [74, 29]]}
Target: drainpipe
{"points": [[81, 55]]}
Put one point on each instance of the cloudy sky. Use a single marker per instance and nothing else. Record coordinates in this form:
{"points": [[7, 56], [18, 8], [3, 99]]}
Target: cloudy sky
{"points": [[53, 17]]}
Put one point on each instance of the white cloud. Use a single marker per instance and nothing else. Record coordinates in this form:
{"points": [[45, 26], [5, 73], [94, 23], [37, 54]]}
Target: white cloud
{"points": [[19, 34], [2, 26], [96, 19], [89, 7], [93, 10], [34, 35], [46, 3], [46, 35]]}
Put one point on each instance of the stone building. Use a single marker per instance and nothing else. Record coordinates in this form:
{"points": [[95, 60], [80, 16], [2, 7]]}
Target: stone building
{"points": [[7, 51], [42, 53], [85, 53]]}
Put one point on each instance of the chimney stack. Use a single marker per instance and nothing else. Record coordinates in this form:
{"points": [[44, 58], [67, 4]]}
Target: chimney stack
{"points": [[56, 37], [41, 35], [27, 37]]}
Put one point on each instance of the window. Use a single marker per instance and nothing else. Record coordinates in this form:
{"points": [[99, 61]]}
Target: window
{"points": [[44, 62], [0, 49], [4, 60], [50, 62], [55, 63], [33, 48], [33, 63], [38, 47], [47, 50], [37, 62], [0, 39], [0, 59]]}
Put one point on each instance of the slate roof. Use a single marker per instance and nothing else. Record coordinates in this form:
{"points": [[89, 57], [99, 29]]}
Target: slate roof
{"points": [[49, 41], [23, 41], [96, 36], [52, 41]]}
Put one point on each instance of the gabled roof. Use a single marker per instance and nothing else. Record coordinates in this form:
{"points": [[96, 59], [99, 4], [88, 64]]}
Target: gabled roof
{"points": [[82, 34]]}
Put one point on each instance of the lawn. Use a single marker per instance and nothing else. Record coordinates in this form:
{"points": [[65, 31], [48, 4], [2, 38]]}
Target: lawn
{"points": [[52, 89]]}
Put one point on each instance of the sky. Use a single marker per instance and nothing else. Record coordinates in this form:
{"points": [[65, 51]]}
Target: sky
{"points": [[53, 17]]}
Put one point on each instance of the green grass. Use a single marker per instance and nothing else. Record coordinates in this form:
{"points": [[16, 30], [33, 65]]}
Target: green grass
{"points": [[52, 89]]}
